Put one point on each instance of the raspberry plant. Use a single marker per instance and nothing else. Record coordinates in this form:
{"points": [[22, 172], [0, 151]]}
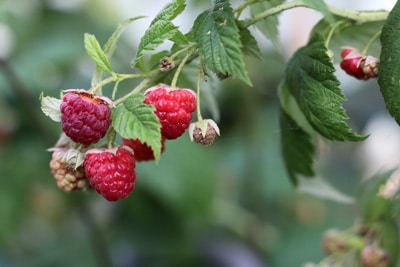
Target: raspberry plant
{"points": [[220, 39]]}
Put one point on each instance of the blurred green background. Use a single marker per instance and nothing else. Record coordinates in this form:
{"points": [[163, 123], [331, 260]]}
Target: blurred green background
{"points": [[228, 205]]}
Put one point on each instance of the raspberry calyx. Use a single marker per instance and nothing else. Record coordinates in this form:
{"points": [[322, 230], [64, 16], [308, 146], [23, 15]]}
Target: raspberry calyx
{"points": [[204, 132]]}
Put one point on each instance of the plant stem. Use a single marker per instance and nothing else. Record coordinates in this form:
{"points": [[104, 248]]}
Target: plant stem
{"points": [[116, 77], [142, 85], [359, 16], [370, 42], [199, 74], [179, 69]]}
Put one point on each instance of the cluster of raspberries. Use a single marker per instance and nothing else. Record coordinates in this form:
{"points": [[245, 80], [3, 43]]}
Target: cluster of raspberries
{"points": [[86, 118]]}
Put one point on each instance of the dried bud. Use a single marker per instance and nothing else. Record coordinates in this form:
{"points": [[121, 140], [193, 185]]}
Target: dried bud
{"points": [[374, 256], [166, 64], [203, 132], [334, 242]]}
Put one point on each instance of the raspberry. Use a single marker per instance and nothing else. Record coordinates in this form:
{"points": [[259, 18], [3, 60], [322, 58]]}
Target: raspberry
{"points": [[351, 62], [111, 172], [68, 178], [174, 108], [203, 132], [85, 117], [358, 66], [142, 151]]}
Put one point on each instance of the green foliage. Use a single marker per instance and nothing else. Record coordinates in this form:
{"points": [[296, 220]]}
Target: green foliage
{"points": [[97, 54], [378, 213], [389, 70], [218, 38], [310, 78], [298, 148], [269, 26], [250, 45], [161, 29], [110, 46], [136, 120]]}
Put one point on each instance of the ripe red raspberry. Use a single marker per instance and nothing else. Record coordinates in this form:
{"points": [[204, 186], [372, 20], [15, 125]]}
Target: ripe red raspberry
{"points": [[111, 172], [357, 65], [85, 117], [351, 62], [174, 108], [142, 151], [67, 178]]}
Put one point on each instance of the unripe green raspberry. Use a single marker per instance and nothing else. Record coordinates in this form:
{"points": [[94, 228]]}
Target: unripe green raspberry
{"points": [[67, 177]]}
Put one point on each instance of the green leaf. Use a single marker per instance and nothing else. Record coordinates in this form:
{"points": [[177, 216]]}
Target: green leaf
{"points": [[161, 29], [268, 26], [389, 68], [179, 38], [250, 45], [51, 107], [170, 11], [154, 36], [97, 54], [297, 147], [310, 76], [322, 189], [111, 45], [136, 120], [218, 38]]}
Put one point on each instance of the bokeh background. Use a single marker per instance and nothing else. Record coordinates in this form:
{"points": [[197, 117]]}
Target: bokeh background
{"points": [[227, 205]]}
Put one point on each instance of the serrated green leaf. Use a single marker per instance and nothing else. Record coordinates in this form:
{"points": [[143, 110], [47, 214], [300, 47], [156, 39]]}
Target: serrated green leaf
{"points": [[97, 54], [161, 29], [250, 45], [170, 11], [217, 36], [179, 38], [110, 46], [268, 26], [51, 107], [135, 120], [154, 36], [389, 68], [297, 147], [310, 76]]}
